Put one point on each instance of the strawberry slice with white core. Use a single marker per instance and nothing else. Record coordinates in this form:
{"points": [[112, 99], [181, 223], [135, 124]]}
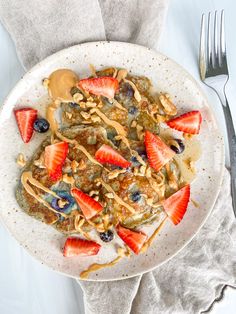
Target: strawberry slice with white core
{"points": [[134, 239], [106, 154], [176, 205], [100, 86], [25, 118], [55, 156], [157, 151], [189, 122], [87, 204], [80, 247]]}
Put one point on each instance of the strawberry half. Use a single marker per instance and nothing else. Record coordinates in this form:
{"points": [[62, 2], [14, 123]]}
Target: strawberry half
{"points": [[87, 204], [100, 86], [25, 118], [176, 205], [76, 246], [189, 122], [133, 239], [157, 151], [55, 156], [106, 154]]}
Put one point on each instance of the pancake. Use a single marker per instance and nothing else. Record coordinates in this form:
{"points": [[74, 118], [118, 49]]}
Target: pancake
{"points": [[124, 185]]}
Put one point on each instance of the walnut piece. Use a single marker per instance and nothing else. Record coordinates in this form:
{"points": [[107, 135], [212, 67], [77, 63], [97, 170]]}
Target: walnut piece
{"points": [[167, 105], [21, 160]]}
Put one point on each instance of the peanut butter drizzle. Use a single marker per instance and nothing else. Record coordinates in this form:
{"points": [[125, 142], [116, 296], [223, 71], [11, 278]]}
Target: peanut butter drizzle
{"points": [[137, 95], [84, 274], [195, 204], [79, 147], [119, 106], [116, 125], [50, 116], [116, 197], [27, 177], [60, 83], [148, 243]]}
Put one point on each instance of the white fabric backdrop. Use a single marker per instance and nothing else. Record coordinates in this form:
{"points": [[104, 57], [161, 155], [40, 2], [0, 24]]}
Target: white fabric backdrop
{"points": [[26, 287]]}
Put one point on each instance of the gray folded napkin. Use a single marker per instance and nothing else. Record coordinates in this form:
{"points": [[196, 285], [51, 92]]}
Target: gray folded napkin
{"points": [[191, 281]]}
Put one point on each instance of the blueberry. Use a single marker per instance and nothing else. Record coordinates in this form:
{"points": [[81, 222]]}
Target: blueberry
{"points": [[179, 148], [142, 153], [65, 196], [135, 196], [132, 110], [74, 104], [134, 159], [127, 90], [106, 236], [41, 125]]}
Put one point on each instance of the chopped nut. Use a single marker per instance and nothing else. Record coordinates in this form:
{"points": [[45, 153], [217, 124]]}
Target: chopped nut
{"points": [[95, 119], [100, 105], [109, 195], [93, 192], [62, 203], [90, 104], [121, 75], [98, 183], [68, 179], [45, 83], [67, 166], [74, 165], [68, 115], [133, 124], [148, 172], [82, 165], [114, 174], [168, 106], [21, 160], [142, 169], [82, 104], [77, 97], [85, 115], [149, 201], [115, 72], [40, 162], [140, 132], [135, 171]]}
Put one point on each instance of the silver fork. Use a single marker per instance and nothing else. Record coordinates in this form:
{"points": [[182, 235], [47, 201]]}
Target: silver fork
{"points": [[214, 73]]}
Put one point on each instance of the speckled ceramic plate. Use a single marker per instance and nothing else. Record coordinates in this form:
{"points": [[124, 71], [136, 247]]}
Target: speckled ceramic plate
{"points": [[43, 241]]}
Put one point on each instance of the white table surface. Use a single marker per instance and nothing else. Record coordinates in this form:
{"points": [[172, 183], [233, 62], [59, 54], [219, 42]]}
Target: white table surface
{"points": [[26, 286]]}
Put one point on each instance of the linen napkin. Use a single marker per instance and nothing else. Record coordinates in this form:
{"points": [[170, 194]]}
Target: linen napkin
{"points": [[199, 273]]}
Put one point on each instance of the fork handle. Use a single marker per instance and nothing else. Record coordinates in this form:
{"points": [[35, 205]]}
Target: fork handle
{"points": [[232, 150]]}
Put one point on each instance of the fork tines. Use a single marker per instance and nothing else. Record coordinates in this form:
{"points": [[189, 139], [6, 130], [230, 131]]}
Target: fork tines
{"points": [[212, 46]]}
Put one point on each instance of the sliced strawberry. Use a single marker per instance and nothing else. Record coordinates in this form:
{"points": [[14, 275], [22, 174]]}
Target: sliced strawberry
{"points": [[106, 154], [87, 204], [55, 156], [76, 246], [25, 118], [176, 205], [100, 86], [133, 239], [189, 122], [157, 151]]}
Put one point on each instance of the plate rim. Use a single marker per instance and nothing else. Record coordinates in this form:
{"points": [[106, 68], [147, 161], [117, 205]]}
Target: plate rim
{"points": [[203, 95]]}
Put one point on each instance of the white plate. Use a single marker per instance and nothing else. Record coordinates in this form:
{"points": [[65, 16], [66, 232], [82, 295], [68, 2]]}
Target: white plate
{"points": [[44, 242]]}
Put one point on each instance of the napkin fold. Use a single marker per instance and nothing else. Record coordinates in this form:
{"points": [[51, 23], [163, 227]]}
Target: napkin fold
{"points": [[199, 273], [187, 284]]}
